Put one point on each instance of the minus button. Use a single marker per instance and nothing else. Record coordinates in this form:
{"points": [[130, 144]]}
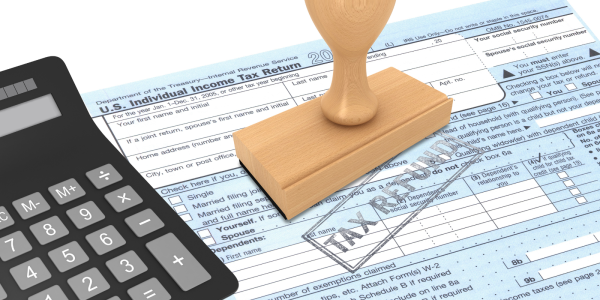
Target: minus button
{"points": [[144, 223]]}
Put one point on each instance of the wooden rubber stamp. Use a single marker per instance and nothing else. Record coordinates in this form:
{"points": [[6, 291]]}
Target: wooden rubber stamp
{"points": [[304, 154]]}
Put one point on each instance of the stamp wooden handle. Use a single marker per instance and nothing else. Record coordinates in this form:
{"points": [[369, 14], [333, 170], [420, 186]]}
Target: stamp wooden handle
{"points": [[349, 27]]}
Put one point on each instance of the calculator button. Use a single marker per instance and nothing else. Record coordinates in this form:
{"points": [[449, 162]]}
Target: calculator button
{"points": [[13, 245], [123, 198], [49, 230], [88, 284], [2, 293], [53, 293], [68, 256], [31, 206], [149, 289], [178, 261], [105, 240], [113, 298], [5, 219], [30, 273], [66, 191], [85, 214], [104, 176], [126, 266], [144, 223]]}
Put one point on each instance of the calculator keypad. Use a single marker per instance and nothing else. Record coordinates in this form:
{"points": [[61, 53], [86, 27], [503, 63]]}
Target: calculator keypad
{"points": [[105, 240], [5, 219], [49, 230], [88, 284], [85, 215], [123, 199], [30, 273], [53, 293], [66, 191], [68, 256], [13, 245], [126, 266], [31, 206]]}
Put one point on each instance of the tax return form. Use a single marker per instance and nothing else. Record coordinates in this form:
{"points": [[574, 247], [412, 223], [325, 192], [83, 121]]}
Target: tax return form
{"points": [[502, 203]]}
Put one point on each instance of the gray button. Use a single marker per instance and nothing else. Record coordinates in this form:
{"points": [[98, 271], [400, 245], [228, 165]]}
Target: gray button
{"points": [[68, 256], [5, 219], [105, 240], [49, 230], [88, 284], [178, 261], [30, 273], [123, 198], [144, 223], [53, 293], [20, 87], [66, 191], [149, 289], [115, 298], [3, 94], [30, 84], [2, 293], [31, 206], [10, 91], [13, 245], [126, 266], [104, 176], [85, 214]]}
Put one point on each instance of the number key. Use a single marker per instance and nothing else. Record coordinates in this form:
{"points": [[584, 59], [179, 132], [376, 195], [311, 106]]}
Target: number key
{"points": [[85, 215], [2, 293], [105, 240], [30, 273], [13, 245], [126, 266], [68, 256], [53, 293], [88, 284], [49, 230]]}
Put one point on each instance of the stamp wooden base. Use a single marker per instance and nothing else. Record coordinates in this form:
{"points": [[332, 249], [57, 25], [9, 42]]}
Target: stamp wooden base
{"points": [[299, 157]]}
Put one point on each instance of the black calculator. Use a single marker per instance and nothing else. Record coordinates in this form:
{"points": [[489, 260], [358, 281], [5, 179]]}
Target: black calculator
{"points": [[77, 221]]}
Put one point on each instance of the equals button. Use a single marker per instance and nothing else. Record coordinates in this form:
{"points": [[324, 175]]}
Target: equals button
{"points": [[144, 223]]}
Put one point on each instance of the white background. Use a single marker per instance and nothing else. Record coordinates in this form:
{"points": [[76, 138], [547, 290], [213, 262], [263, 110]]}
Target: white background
{"points": [[108, 43]]}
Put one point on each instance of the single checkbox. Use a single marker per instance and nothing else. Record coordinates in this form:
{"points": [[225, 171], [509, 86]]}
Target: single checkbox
{"points": [[536, 95], [175, 200]]}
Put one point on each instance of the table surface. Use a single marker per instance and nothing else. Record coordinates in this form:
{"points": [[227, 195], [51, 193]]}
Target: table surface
{"points": [[118, 42]]}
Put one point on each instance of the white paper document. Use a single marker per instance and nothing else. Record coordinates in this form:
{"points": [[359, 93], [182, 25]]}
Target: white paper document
{"points": [[502, 203]]}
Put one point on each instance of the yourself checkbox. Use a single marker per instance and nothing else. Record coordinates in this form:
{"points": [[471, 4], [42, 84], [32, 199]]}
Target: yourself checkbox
{"points": [[536, 95], [571, 86], [204, 233]]}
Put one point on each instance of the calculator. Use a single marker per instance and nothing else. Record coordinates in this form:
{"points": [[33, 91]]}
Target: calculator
{"points": [[77, 221]]}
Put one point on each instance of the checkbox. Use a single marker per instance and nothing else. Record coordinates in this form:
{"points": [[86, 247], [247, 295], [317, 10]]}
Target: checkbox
{"points": [[536, 95], [186, 217], [175, 200], [575, 191], [204, 233], [180, 208], [581, 200], [571, 86], [568, 183], [562, 175], [209, 241]]}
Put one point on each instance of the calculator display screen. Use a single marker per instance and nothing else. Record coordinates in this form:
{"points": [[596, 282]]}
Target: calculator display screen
{"points": [[28, 114]]}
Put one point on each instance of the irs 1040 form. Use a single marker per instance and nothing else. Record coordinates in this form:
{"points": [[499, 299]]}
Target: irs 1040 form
{"points": [[503, 203]]}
